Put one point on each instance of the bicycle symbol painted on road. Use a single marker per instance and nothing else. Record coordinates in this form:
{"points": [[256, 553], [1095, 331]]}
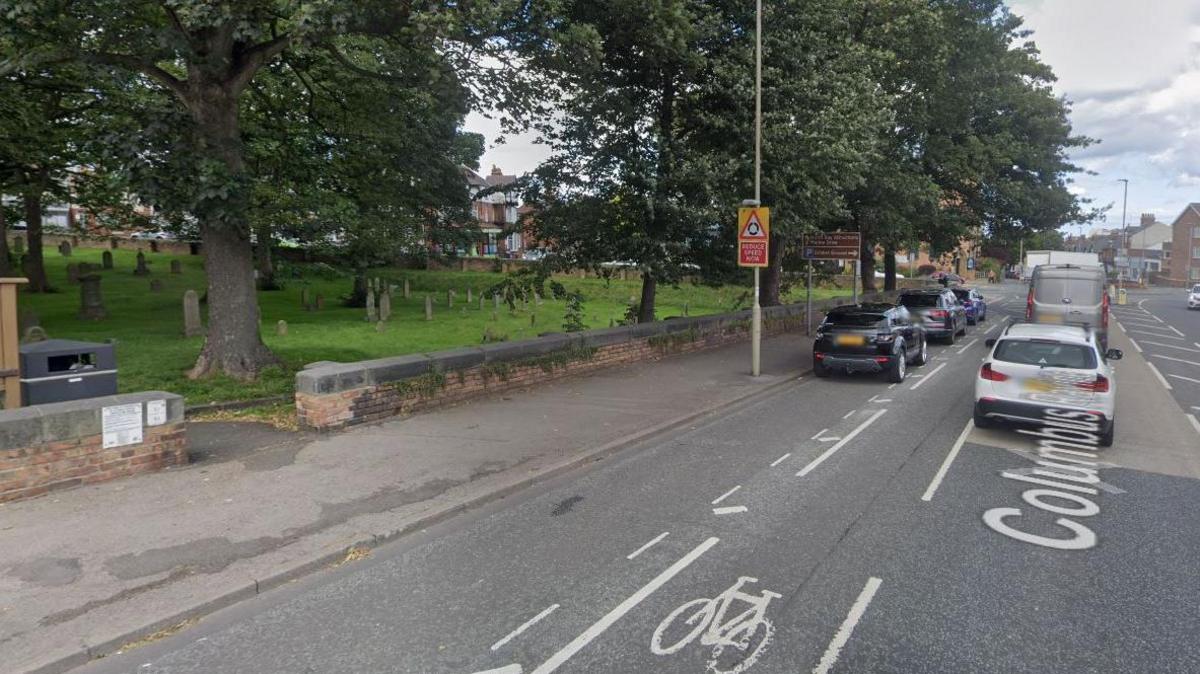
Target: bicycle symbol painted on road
{"points": [[737, 642]]}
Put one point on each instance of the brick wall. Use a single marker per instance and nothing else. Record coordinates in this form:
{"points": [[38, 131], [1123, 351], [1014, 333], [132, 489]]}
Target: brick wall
{"points": [[44, 448], [332, 396]]}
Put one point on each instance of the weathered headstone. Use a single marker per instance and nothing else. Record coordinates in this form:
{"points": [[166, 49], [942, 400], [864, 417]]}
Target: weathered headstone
{"points": [[407, 290], [34, 333], [156, 285], [379, 327], [73, 273], [320, 303], [91, 304], [469, 300], [141, 269], [304, 297], [281, 328], [176, 267], [450, 299], [192, 327], [372, 313], [18, 245], [495, 317], [428, 308], [496, 300], [75, 241], [106, 259], [385, 306], [64, 249], [113, 243], [463, 264], [481, 302]]}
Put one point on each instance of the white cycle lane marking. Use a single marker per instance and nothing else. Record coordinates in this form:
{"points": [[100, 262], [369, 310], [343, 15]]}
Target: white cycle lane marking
{"points": [[726, 495], [737, 642], [524, 626], [857, 610], [841, 443], [927, 377], [945, 467], [1166, 384], [648, 545]]}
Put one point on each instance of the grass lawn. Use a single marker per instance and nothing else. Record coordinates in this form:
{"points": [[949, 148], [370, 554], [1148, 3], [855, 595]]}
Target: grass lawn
{"points": [[153, 354]]}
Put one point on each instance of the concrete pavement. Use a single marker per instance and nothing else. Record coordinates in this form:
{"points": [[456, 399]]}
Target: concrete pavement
{"points": [[85, 571], [839, 521]]}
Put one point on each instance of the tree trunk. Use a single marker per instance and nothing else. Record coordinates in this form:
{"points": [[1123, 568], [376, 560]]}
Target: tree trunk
{"points": [[233, 345], [6, 262], [646, 308], [772, 274], [262, 259], [358, 294], [35, 265], [889, 267], [867, 264]]}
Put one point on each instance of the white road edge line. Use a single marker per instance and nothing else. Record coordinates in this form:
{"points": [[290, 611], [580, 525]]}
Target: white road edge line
{"points": [[1178, 360], [848, 625], [1194, 420], [927, 377], [780, 460], [1135, 345], [729, 510], [945, 467], [621, 609], [514, 668], [1162, 380], [726, 495], [1171, 346], [1154, 334], [1179, 376], [647, 546], [822, 431], [524, 626], [841, 443]]}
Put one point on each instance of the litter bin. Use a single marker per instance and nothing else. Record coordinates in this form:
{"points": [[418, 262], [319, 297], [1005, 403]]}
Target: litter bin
{"points": [[1122, 297], [62, 369]]}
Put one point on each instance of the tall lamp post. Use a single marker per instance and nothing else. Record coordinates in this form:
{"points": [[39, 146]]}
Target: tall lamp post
{"points": [[756, 312], [1124, 231]]}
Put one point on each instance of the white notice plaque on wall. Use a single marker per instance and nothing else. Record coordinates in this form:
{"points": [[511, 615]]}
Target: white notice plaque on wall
{"points": [[122, 425], [156, 413]]}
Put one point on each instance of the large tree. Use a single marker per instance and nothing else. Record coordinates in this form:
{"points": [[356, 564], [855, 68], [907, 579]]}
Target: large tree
{"points": [[204, 54]]}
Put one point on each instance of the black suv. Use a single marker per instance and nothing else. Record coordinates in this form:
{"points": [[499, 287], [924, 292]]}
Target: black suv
{"points": [[869, 338], [938, 310]]}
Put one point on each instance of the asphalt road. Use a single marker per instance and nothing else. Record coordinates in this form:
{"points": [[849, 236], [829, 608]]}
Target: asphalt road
{"points": [[1168, 333], [837, 526]]}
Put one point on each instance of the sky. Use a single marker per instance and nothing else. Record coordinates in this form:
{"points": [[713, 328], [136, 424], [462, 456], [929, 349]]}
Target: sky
{"points": [[1132, 73]]}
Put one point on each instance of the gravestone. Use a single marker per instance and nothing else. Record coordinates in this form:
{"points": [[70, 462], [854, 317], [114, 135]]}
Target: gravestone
{"points": [[469, 300], [537, 299], [176, 267], [112, 243], [153, 246], [379, 327], [385, 306], [496, 300], [156, 285], [685, 308], [281, 328], [91, 304], [407, 290], [495, 317], [192, 327], [64, 249], [73, 273], [450, 299], [106, 259], [304, 297], [320, 303], [481, 302], [372, 314], [141, 269], [75, 241], [18, 244], [428, 308], [533, 319], [34, 333]]}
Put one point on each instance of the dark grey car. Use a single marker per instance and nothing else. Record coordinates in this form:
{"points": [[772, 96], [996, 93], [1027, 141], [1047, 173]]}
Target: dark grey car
{"points": [[938, 310]]}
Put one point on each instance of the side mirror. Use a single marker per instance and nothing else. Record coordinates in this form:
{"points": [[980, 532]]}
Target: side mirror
{"points": [[989, 343], [1114, 354]]}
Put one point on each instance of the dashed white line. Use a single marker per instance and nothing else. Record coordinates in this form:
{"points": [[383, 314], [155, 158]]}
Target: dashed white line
{"points": [[892, 386], [647, 546], [994, 326], [945, 467], [841, 443], [847, 416], [822, 431], [1135, 345], [843, 634], [514, 668], [1177, 360], [1178, 376], [1171, 346], [1175, 331], [1158, 374], [780, 460], [927, 377], [624, 607], [726, 495], [832, 439], [883, 400], [729, 510], [968, 345], [1152, 334], [524, 626]]}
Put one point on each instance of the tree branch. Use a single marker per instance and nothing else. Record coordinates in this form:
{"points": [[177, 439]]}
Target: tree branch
{"points": [[154, 72], [253, 58]]}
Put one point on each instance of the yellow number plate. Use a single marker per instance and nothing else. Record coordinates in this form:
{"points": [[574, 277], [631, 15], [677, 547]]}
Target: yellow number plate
{"points": [[851, 340], [1048, 318], [1039, 385]]}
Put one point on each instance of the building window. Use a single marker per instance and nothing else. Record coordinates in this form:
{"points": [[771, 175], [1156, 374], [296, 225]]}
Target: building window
{"points": [[1196, 252], [1195, 273], [1196, 232], [490, 247]]}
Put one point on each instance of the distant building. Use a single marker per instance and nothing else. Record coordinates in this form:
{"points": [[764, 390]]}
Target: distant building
{"points": [[1145, 247], [495, 203], [1183, 266]]}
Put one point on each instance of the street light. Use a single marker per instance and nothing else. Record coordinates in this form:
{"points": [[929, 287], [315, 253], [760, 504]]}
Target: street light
{"points": [[1124, 231], [756, 311]]}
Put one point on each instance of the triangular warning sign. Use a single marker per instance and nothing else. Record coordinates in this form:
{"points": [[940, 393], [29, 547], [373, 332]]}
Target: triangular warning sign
{"points": [[753, 228]]}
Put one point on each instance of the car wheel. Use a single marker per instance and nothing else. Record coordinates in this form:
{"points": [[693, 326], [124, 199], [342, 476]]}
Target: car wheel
{"points": [[898, 370], [972, 321], [953, 336], [962, 328], [820, 369], [1106, 438], [923, 353], [982, 317], [982, 421]]}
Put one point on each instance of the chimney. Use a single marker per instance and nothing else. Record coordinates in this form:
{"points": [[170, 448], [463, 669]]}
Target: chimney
{"points": [[497, 172], [1147, 219]]}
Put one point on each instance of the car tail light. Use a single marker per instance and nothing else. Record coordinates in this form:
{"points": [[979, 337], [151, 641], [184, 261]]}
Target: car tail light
{"points": [[986, 372], [819, 356], [939, 313], [1029, 306], [1104, 311], [881, 359], [1100, 385]]}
